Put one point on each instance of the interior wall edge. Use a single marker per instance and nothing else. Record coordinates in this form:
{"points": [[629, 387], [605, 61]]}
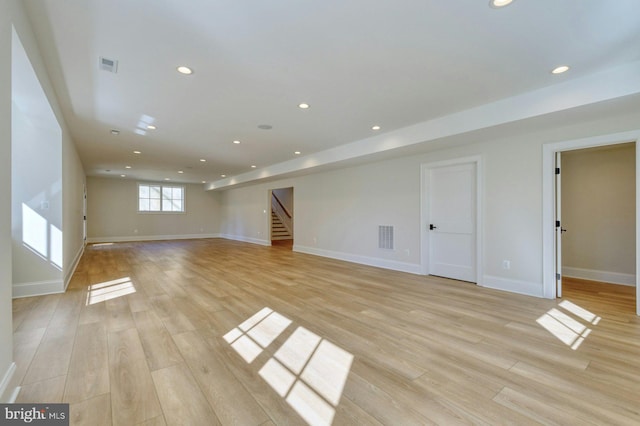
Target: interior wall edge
{"points": [[526, 288], [130, 239], [74, 266], [246, 239], [394, 265], [602, 276], [37, 288]]}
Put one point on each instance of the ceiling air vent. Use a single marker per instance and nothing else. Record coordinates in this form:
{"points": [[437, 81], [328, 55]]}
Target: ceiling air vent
{"points": [[107, 64], [385, 237]]}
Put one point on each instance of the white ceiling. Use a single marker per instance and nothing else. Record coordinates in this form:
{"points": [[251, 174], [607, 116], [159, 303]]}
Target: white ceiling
{"points": [[358, 63]]}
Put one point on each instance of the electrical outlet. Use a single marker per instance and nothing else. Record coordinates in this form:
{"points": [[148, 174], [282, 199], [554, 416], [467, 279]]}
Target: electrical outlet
{"points": [[506, 264]]}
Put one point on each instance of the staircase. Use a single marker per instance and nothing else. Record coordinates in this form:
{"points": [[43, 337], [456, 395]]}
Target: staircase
{"points": [[278, 230]]}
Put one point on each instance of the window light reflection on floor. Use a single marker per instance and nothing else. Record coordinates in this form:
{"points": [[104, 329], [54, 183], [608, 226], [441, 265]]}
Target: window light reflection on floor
{"points": [[308, 371], [566, 328], [108, 290]]}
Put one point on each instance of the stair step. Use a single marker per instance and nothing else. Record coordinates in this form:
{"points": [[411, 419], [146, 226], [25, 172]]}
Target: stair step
{"points": [[278, 230]]}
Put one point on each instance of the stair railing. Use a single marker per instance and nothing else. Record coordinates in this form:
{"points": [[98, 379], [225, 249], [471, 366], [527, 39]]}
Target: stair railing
{"points": [[283, 214]]}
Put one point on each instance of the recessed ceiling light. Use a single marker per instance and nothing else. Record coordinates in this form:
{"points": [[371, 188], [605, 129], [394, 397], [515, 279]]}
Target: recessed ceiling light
{"points": [[123, 175], [204, 181], [560, 69], [375, 128], [151, 127], [253, 166], [203, 160], [167, 179], [137, 152], [236, 142], [127, 167], [115, 132], [223, 175], [180, 171], [297, 153], [185, 70], [303, 106], [499, 3]]}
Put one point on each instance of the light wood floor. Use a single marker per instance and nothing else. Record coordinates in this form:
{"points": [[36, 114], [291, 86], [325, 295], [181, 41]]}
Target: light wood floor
{"points": [[139, 338]]}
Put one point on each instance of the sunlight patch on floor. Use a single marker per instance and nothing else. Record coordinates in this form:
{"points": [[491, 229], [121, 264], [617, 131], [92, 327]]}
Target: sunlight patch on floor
{"points": [[567, 328], [108, 290], [308, 371]]}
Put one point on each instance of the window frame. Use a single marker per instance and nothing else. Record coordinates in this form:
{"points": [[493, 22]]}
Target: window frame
{"points": [[162, 186]]}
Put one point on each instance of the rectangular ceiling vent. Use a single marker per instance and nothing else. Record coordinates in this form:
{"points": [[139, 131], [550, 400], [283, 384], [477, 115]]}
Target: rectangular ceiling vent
{"points": [[385, 237], [107, 64]]}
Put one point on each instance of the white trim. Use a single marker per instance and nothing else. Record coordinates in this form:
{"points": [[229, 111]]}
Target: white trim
{"points": [[424, 211], [4, 384], [125, 239], [394, 265], [37, 288], [602, 276], [246, 239], [548, 202], [74, 265], [527, 288]]}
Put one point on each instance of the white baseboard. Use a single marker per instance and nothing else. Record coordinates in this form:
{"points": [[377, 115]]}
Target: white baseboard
{"points": [[39, 288], [8, 395], [603, 276], [246, 239], [514, 286], [125, 239], [74, 265], [394, 265]]}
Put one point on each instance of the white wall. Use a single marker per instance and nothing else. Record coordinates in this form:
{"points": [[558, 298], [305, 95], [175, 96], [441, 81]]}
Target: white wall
{"points": [[7, 12], [598, 210], [285, 195], [73, 183], [112, 214], [36, 183], [337, 212], [12, 15]]}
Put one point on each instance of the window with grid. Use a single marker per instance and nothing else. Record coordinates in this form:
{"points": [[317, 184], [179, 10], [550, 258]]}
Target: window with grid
{"points": [[160, 198]]}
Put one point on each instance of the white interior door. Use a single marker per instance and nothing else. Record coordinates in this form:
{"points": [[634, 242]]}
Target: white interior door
{"points": [[558, 225], [452, 222]]}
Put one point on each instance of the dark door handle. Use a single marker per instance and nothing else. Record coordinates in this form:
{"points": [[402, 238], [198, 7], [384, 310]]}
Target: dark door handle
{"points": [[562, 230], [432, 227]]}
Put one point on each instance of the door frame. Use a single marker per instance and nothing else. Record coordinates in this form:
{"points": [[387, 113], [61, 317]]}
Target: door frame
{"points": [[549, 204], [424, 210]]}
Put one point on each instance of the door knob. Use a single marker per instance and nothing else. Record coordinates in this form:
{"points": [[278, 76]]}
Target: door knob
{"points": [[562, 230], [432, 227]]}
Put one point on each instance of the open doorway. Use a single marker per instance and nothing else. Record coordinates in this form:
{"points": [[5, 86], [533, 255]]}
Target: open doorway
{"points": [[597, 204], [281, 219], [552, 248]]}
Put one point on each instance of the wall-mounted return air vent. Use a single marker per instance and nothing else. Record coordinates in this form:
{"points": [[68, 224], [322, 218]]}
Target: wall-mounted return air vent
{"points": [[385, 237], [107, 64]]}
